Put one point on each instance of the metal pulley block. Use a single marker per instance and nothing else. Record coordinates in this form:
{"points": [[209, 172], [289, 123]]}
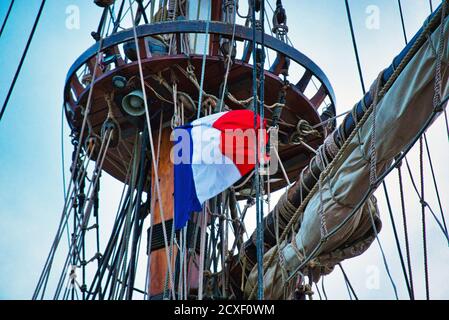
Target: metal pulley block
{"points": [[92, 145], [229, 50], [111, 125]]}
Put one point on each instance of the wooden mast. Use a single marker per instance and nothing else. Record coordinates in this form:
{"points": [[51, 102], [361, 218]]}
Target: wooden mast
{"points": [[159, 278], [159, 264]]}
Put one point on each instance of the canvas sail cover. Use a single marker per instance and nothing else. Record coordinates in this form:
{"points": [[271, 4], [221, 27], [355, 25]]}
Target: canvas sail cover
{"points": [[400, 115]]}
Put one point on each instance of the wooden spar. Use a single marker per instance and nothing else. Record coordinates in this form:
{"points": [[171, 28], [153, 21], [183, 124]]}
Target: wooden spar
{"points": [[159, 265], [216, 15], [159, 279]]}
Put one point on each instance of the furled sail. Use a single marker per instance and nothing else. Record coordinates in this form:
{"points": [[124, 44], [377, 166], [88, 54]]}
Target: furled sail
{"points": [[339, 218]]}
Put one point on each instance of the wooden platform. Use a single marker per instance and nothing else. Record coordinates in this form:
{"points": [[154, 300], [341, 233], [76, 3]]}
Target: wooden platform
{"points": [[239, 85]]}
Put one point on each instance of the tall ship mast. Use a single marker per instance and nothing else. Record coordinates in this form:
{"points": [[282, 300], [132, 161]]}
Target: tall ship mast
{"points": [[205, 69]]}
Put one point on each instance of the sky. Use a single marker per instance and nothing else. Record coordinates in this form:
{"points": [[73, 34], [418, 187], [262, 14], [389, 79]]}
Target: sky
{"points": [[31, 188]]}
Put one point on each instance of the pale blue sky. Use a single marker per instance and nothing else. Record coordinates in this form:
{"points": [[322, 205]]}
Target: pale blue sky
{"points": [[31, 194]]}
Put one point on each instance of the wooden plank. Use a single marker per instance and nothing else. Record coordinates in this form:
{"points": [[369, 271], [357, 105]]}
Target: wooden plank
{"points": [[319, 97], [159, 265], [143, 48], [91, 67], [278, 64], [120, 61], [76, 85], [304, 81], [165, 172], [216, 15], [241, 33]]}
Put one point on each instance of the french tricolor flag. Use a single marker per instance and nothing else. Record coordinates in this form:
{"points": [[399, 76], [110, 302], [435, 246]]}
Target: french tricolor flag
{"points": [[210, 155]]}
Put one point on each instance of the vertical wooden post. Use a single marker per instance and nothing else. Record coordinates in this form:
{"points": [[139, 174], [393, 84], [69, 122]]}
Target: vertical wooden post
{"points": [[216, 15], [159, 265]]}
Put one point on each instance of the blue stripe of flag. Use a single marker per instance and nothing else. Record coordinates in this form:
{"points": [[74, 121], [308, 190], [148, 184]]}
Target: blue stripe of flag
{"points": [[186, 200]]}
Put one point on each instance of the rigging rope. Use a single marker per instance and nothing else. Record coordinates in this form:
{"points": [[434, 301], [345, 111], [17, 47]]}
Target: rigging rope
{"points": [[203, 219], [423, 217], [203, 66], [104, 263], [396, 237], [22, 59], [155, 168], [261, 148], [64, 190], [111, 244], [258, 87], [77, 239], [354, 43], [138, 206], [415, 187], [323, 289], [43, 279], [437, 96], [436, 101], [152, 205], [130, 216], [49, 261], [435, 185], [437, 109], [373, 157], [404, 223], [402, 21], [229, 56], [6, 17], [318, 291], [261, 112], [384, 258], [348, 283], [325, 122], [438, 90], [95, 199]]}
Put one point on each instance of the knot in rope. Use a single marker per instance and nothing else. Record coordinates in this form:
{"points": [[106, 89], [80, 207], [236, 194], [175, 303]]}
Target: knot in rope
{"points": [[423, 202], [177, 118], [191, 70], [86, 79], [280, 27], [72, 274], [111, 131], [109, 98], [209, 103], [258, 25], [303, 130], [229, 4], [304, 290]]}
